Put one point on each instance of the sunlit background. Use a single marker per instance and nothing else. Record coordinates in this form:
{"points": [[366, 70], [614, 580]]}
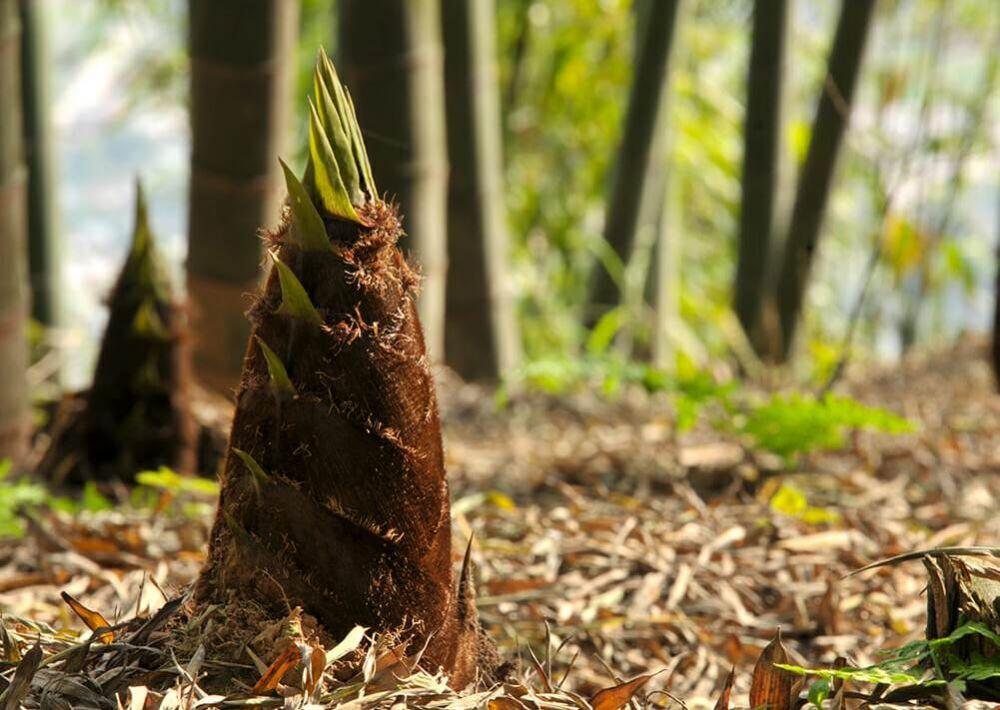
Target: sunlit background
{"points": [[924, 137]]}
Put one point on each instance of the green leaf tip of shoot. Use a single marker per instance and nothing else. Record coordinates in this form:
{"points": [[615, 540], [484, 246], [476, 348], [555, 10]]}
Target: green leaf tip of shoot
{"points": [[307, 229], [142, 263], [258, 476], [327, 183], [295, 301], [276, 369], [339, 174]]}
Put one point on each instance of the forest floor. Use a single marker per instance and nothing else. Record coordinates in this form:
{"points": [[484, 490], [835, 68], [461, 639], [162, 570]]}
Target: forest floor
{"points": [[614, 547]]}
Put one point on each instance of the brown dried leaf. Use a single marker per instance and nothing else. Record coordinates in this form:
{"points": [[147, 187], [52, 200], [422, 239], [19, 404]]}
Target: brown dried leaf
{"points": [[276, 671], [723, 702], [618, 696], [19, 686], [94, 620], [504, 703], [771, 687], [317, 664]]}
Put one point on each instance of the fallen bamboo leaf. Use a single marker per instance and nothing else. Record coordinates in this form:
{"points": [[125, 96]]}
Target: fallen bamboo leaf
{"points": [[348, 645], [723, 702], [276, 671], [11, 653], [504, 703], [19, 686], [771, 687], [317, 664], [617, 696], [94, 620]]}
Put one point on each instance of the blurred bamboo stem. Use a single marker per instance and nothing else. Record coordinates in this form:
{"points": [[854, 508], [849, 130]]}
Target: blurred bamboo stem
{"points": [[15, 411], [391, 58], [622, 220], [43, 263], [481, 339], [813, 192], [240, 82]]}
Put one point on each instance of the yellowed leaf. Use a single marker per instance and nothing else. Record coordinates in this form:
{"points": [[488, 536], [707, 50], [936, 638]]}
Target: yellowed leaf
{"points": [[276, 671], [94, 620]]}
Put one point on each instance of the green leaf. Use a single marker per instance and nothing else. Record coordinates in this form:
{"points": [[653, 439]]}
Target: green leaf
{"points": [[307, 229], [360, 152], [345, 111], [331, 116], [93, 501], [295, 301], [326, 174], [819, 691], [869, 674], [258, 476], [147, 322], [276, 369], [166, 479]]}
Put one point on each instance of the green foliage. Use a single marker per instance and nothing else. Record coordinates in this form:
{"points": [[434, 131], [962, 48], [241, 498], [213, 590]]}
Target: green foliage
{"points": [[819, 691], [921, 663], [168, 480], [20, 495], [338, 173], [795, 424], [786, 425]]}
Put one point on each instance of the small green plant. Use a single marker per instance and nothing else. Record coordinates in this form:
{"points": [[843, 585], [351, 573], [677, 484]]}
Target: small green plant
{"points": [[168, 480], [790, 425], [925, 663], [19, 494]]}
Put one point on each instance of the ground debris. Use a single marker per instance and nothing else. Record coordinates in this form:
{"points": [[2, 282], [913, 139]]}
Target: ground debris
{"points": [[599, 551]]}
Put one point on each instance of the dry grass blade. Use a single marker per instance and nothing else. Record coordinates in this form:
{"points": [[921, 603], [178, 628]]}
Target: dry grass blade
{"points": [[973, 551], [771, 687], [276, 671], [723, 702], [95, 621], [18, 688], [617, 696], [11, 653]]}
